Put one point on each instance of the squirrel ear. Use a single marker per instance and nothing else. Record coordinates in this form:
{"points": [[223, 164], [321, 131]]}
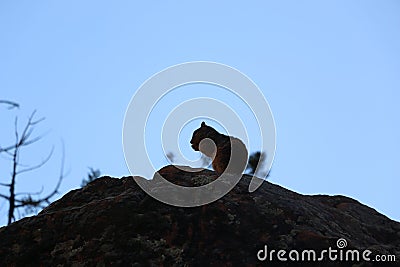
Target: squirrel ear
{"points": [[203, 124]]}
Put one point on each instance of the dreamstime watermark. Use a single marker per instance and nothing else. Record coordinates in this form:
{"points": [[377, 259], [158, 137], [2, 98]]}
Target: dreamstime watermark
{"points": [[149, 94], [330, 254]]}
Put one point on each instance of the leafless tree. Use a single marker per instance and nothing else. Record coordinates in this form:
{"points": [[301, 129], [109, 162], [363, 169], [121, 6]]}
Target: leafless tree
{"points": [[92, 175], [255, 165], [205, 161], [28, 201], [171, 157]]}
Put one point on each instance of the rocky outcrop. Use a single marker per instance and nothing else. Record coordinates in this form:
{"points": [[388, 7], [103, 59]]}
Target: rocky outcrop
{"points": [[113, 222]]}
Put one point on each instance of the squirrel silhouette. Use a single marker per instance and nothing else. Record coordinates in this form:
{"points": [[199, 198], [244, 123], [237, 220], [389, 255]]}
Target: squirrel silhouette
{"points": [[228, 153]]}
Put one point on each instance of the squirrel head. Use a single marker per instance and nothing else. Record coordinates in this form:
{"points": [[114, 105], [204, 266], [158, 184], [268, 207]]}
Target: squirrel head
{"points": [[204, 132]]}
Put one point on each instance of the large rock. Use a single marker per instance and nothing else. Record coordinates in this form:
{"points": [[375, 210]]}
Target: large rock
{"points": [[113, 222]]}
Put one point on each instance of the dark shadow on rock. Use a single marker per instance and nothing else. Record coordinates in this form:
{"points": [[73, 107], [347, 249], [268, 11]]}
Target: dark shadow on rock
{"points": [[113, 222]]}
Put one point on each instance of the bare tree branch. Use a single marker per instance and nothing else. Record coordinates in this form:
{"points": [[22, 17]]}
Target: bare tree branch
{"points": [[29, 201], [7, 152], [16, 132], [4, 196], [26, 133], [10, 103], [27, 193], [6, 149], [38, 165]]}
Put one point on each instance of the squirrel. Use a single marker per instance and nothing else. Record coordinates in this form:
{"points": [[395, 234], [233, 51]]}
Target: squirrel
{"points": [[228, 153]]}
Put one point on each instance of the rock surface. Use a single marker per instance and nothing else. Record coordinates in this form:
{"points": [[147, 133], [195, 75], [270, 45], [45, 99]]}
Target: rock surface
{"points": [[113, 222]]}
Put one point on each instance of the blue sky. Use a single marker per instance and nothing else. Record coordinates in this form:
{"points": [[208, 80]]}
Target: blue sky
{"points": [[329, 70]]}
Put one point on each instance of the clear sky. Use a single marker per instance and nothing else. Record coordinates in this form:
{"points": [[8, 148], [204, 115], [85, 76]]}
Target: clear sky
{"points": [[329, 70]]}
